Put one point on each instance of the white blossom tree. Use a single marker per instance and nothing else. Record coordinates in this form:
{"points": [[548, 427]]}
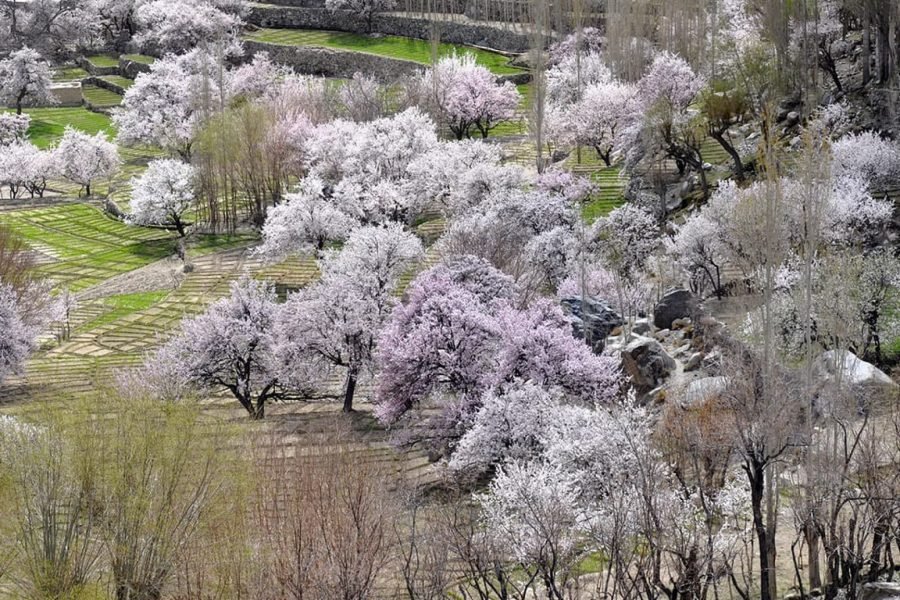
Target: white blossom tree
{"points": [[84, 158], [13, 128], [177, 27], [162, 194], [25, 80]]}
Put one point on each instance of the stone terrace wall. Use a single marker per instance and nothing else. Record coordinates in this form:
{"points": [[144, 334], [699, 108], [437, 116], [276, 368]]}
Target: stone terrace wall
{"points": [[286, 17], [328, 62]]}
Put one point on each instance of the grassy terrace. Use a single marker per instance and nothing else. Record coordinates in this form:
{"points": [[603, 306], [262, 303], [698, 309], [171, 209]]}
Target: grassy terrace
{"points": [[101, 97], [103, 60], [390, 46], [48, 124], [122, 82], [83, 247], [69, 74], [139, 58]]}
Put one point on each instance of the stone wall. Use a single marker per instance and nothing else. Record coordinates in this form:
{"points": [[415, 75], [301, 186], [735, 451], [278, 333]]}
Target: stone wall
{"points": [[470, 34], [131, 69], [67, 93], [328, 62]]}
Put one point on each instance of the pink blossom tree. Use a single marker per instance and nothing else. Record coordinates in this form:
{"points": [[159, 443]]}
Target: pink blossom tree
{"points": [[304, 223], [337, 319], [232, 346], [19, 337], [603, 116], [177, 27], [84, 158], [25, 80], [163, 107], [467, 96], [163, 194]]}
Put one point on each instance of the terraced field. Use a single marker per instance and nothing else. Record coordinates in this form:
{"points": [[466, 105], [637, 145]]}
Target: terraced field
{"points": [[79, 246], [390, 46], [99, 97], [48, 124]]}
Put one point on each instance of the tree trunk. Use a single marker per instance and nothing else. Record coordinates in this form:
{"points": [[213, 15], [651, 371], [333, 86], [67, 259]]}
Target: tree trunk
{"points": [[737, 164], [756, 477], [812, 542], [349, 390]]}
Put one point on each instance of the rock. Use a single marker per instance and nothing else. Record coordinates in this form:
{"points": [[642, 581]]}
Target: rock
{"points": [[680, 323], [662, 334], [701, 390], [781, 115], [675, 304], [592, 320], [880, 590], [792, 119], [693, 362], [712, 362], [641, 327], [855, 371], [648, 365]]}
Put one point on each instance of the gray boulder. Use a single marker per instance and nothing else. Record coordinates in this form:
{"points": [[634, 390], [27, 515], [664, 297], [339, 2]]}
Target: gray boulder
{"points": [[854, 371], [647, 363], [701, 390], [675, 304], [592, 320]]}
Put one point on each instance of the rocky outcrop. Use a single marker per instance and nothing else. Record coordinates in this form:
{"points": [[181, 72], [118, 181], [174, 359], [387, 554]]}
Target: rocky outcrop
{"points": [[675, 304], [647, 363], [592, 320], [131, 68]]}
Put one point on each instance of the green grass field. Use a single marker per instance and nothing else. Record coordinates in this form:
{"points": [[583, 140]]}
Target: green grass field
{"points": [[69, 74], [391, 46], [139, 58], [122, 82], [89, 247], [101, 97], [103, 60], [48, 124]]}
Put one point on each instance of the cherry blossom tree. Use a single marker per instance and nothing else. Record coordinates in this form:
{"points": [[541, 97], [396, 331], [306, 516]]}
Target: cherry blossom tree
{"points": [[868, 156], [364, 98], [178, 26], [84, 158], [232, 346], [570, 76], [13, 128], [304, 223], [602, 117], [163, 108], [257, 78], [23, 167], [532, 508], [25, 80], [162, 194], [467, 95], [338, 318], [366, 8], [19, 337]]}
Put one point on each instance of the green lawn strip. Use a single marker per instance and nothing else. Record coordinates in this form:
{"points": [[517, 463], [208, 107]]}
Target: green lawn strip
{"points": [[103, 60], [91, 247], [48, 124], [123, 305], [390, 46], [101, 97], [122, 82], [139, 58], [69, 74]]}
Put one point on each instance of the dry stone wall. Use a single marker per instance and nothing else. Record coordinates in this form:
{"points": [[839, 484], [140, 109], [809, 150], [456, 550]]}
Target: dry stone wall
{"points": [[328, 62], [470, 34]]}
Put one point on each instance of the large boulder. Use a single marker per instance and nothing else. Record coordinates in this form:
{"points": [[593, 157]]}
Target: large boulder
{"points": [[699, 391], [647, 363], [852, 370], [880, 590], [592, 320], [675, 304]]}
